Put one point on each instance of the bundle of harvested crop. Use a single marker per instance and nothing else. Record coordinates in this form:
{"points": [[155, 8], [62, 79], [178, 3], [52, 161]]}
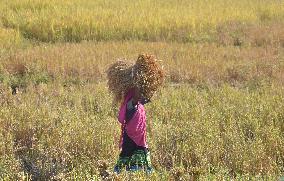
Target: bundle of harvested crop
{"points": [[119, 79], [146, 75]]}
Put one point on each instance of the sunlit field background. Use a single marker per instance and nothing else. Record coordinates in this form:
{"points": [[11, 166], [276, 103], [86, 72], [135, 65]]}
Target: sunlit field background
{"points": [[219, 116]]}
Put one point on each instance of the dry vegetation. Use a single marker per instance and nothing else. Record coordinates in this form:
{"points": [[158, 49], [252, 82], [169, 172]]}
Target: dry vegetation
{"points": [[146, 74], [185, 21], [220, 114]]}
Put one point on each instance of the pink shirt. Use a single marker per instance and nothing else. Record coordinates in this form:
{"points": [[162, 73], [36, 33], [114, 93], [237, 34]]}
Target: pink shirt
{"points": [[136, 127]]}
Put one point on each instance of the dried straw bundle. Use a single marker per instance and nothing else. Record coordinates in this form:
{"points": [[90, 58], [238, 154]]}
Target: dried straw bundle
{"points": [[119, 79], [146, 75]]}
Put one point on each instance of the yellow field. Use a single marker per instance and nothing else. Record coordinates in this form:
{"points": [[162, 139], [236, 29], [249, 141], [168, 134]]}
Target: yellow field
{"points": [[219, 116], [190, 21]]}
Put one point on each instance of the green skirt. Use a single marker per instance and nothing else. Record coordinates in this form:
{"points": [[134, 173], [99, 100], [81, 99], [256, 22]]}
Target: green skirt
{"points": [[139, 160]]}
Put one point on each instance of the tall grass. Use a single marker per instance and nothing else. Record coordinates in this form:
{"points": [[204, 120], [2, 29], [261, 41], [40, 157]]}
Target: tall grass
{"points": [[52, 131], [219, 116], [189, 21], [10, 38], [203, 64]]}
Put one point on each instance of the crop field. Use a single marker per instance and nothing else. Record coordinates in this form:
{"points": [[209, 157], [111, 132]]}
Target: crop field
{"points": [[218, 116]]}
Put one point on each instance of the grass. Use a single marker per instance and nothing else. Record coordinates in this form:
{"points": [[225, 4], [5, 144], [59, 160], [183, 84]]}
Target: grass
{"points": [[225, 131], [201, 64], [219, 115], [189, 21]]}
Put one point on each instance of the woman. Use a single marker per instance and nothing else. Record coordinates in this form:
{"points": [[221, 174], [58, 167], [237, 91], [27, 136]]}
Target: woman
{"points": [[134, 149], [134, 85]]}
